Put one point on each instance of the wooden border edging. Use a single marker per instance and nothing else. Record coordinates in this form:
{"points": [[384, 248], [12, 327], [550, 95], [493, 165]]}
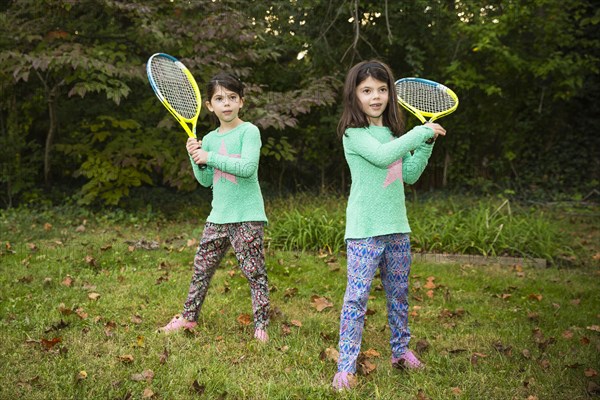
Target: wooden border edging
{"points": [[477, 260]]}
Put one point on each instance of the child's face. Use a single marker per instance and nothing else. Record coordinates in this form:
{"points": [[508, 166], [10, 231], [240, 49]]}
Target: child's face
{"points": [[225, 104], [373, 98]]}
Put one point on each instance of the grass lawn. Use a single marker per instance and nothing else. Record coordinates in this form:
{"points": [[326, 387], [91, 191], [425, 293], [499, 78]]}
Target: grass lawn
{"points": [[80, 302]]}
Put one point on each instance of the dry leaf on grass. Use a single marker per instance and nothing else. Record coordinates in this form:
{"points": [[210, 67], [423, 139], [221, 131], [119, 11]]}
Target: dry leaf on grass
{"points": [[126, 358], [147, 375], [320, 303], [329, 354], [244, 319]]}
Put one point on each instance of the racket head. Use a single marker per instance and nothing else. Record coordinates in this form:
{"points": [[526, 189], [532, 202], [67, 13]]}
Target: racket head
{"points": [[425, 98], [176, 89]]}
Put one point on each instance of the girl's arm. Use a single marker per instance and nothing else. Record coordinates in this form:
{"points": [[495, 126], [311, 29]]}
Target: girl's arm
{"points": [[246, 164], [414, 164], [203, 176], [383, 154]]}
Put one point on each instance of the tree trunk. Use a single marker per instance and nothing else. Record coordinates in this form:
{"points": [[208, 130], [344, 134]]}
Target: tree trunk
{"points": [[49, 137]]}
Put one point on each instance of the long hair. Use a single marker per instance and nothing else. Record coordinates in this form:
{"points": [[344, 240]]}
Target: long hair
{"points": [[352, 115]]}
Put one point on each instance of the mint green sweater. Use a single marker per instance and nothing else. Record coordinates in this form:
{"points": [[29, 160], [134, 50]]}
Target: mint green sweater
{"points": [[379, 165], [232, 171]]}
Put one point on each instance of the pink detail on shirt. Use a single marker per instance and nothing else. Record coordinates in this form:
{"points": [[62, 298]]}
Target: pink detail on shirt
{"points": [[218, 174], [394, 172]]}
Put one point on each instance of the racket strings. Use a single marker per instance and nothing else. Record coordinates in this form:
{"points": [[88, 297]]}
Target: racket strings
{"points": [[424, 97], [173, 84]]}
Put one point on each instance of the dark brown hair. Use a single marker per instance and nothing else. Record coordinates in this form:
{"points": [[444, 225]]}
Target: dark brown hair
{"points": [[226, 80], [352, 115]]}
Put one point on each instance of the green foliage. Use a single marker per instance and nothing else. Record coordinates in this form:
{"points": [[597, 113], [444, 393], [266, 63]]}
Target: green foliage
{"points": [[525, 73], [115, 159]]}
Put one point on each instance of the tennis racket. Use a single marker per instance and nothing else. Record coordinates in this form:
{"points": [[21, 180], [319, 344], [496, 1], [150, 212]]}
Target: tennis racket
{"points": [[425, 99], [176, 89]]}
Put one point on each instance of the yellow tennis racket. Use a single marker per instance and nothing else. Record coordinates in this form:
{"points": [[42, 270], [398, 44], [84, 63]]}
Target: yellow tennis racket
{"points": [[177, 89], [426, 99]]}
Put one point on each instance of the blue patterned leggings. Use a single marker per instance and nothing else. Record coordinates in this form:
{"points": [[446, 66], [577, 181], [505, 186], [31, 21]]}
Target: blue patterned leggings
{"points": [[247, 241], [391, 253]]}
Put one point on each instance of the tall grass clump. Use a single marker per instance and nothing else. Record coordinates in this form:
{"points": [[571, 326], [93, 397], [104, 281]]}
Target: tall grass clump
{"points": [[309, 230], [486, 227], [455, 225]]}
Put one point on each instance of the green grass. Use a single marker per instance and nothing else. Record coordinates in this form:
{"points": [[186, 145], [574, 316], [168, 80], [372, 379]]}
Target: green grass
{"points": [[535, 329]]}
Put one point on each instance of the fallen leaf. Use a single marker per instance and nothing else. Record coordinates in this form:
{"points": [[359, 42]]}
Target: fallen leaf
{"points": [[49, 344], [371, 353], [290, 292], [320, 303], [91, 261], [595, 328], [164, 356], [421, 346], [295, 322], [94, 296], [198, 388], [244, 319], [47, 226], [139, 342], [567, 334], [365, 367], [537, 297], [533, 316], [285, 329], [429, 294], [576, 302], [68, 281], [127, 358], [148, 393], [64, 310], [593, 388], [146, 375], [80, 229], [81, 375], [590, 372], [136, 319], [456, 391], [421, 395], [545, 363], [430, 284], [330, 354]]}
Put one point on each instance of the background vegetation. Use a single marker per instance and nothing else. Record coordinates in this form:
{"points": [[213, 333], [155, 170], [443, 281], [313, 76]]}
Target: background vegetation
{"points": [[78, 120]]}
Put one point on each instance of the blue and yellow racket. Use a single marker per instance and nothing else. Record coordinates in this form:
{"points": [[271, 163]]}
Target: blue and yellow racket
{"points": [[425, 98], [176, 89]]}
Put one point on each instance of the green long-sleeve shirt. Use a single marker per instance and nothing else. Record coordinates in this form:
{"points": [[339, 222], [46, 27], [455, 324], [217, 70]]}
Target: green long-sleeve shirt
{"points": [[232, 171], [379, 164]]}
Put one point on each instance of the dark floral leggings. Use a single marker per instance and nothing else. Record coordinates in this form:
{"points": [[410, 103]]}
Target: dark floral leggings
{"points": [[246, 239]]}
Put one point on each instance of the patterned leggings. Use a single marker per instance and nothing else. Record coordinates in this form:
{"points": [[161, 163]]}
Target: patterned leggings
{"points": [[391, 253], [247, 241]]}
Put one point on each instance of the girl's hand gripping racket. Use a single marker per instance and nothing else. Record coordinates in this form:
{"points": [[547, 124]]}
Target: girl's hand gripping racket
{"points": [[176, 89], [425, 98]]}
